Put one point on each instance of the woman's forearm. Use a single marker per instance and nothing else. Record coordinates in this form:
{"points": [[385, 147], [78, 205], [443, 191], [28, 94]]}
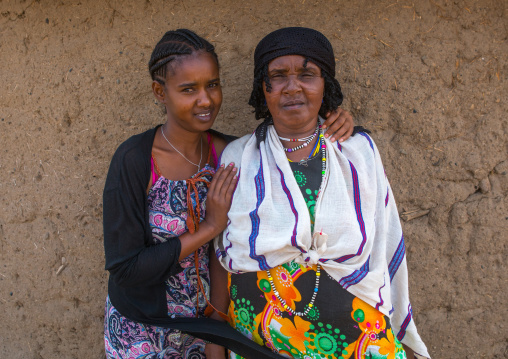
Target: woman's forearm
{"points": [[219, 295], [191, 242], [409, 352]]}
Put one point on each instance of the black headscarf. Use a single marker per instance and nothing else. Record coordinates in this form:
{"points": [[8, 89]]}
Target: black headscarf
{"points": [[302, 41]]}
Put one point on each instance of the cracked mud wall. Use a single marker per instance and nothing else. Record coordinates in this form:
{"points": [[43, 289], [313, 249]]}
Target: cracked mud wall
{"points": [[429, 78]]}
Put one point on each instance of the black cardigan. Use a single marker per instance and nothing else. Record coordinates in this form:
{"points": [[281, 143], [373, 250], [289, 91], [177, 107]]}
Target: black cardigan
{"points": [[138, 266]]}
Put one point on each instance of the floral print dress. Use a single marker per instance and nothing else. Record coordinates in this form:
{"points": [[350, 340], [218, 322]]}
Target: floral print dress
{"points": [[124, 338], [338, 325]]}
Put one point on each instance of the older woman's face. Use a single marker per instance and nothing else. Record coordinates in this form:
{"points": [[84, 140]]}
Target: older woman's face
{"points": [[296, 94]]}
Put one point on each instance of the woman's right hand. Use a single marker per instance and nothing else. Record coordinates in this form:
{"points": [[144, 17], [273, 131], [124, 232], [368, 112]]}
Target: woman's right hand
{"points": [[218, 199], [218, 202]]}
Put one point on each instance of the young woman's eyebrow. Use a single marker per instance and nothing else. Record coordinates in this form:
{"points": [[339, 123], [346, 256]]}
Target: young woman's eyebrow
{"points": [[189, 84], [192, 84]]}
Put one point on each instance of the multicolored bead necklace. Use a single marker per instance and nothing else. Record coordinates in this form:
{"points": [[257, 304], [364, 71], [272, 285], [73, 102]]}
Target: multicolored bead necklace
{"points": [[306, 140], [283, 302], [303, 139], [323, 152], [313, 153]]}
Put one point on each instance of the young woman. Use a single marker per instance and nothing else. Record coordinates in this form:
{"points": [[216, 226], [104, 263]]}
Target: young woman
{"points": [[156, 224]]}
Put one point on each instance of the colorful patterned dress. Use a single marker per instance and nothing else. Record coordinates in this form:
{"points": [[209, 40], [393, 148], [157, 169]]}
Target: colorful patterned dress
{"points": [[338, 326], [124, 338]]}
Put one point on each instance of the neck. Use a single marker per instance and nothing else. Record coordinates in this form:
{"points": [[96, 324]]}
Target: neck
{"points": [[305, 131], [185, 141]]}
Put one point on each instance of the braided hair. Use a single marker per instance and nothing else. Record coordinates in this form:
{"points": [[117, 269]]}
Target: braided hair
{"points": [[332, 98], [173, 45]]}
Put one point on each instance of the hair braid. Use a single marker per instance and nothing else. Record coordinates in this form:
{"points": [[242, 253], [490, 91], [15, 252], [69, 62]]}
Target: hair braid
{"points": [[173, 45], [332, 97], [192, 38], [257, 96]]}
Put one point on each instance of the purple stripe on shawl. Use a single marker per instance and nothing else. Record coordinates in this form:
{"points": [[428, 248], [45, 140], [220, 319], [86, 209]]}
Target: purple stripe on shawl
{"points": [[226, 252], [359, 217], [356, 276], [259, 182], [293, 209], [381, 301], [227, 248], [387, 197], [339, 146], [402, 332], [397, 258], [230, 244], [368, 139]]}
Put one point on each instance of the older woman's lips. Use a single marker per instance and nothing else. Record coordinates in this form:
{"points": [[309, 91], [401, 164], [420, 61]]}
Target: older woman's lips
{"points": [[293, 104]]}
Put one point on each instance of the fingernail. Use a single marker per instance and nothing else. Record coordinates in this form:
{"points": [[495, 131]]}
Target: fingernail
{"points": [[222, 165], [341, 140], [332, 139], [323, 127], [232, 164], [235, 177], [234, 169], [326, 135]]}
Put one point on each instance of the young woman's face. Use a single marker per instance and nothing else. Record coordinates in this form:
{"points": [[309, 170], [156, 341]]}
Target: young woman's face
{"points": [[192, 92], [296, 94]]}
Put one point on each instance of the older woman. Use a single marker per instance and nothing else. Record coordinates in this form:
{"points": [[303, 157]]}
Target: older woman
{"points": [[314, 246]]}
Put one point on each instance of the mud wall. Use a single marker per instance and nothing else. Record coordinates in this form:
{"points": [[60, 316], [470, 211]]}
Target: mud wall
{"points": [[429, 78]]}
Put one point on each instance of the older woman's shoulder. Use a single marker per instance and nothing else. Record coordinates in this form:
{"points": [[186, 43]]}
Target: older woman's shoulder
{"points": [[234, 150], [359, 144]]}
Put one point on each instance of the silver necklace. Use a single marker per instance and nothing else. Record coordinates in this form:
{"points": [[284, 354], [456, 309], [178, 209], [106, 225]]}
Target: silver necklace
{"points": [[181, 154]]}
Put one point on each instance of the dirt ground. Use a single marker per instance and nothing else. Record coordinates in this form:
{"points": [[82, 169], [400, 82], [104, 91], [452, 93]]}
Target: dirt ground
{"points": [[429, 78]]}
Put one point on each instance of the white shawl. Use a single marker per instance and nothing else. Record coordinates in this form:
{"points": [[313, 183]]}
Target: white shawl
{"points": [[357, 233]]}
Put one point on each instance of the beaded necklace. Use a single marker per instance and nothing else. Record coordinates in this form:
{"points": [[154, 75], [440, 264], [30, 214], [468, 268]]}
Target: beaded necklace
{"points": [[283, 302], [318, 270], [314, 152], [303, 139], [307, 140]]}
